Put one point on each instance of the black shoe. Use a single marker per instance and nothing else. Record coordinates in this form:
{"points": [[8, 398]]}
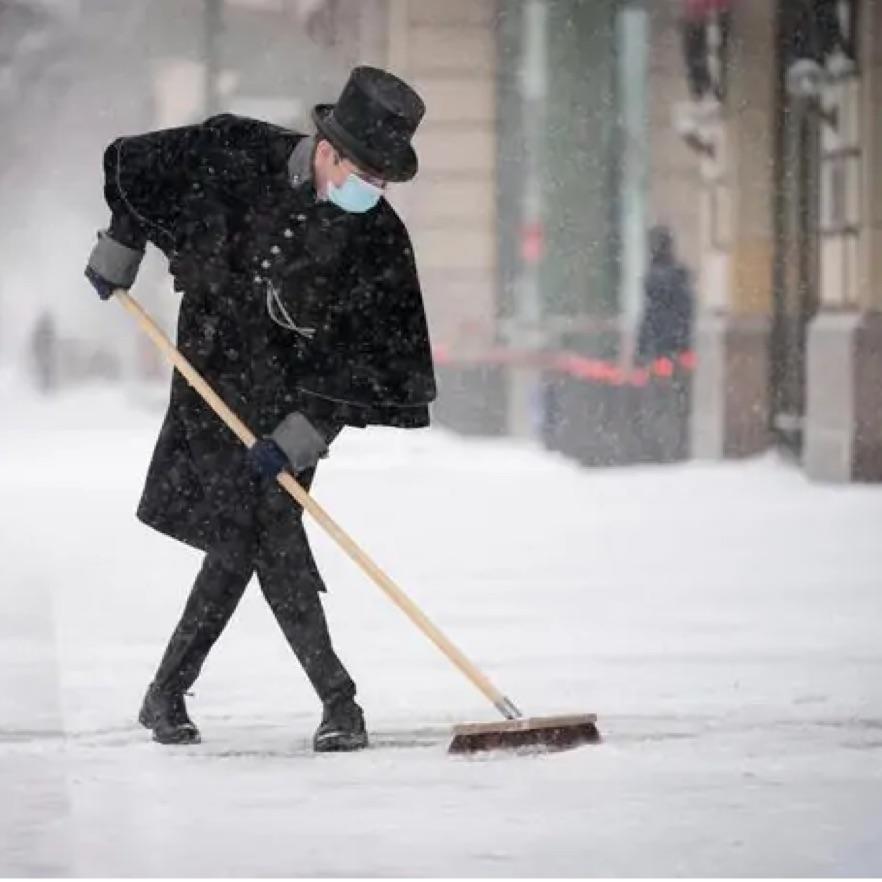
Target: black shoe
{"points": [[342, 728], [166, 714]]}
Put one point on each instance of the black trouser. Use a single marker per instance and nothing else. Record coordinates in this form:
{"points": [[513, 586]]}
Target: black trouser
{"points": [[277, 549]]}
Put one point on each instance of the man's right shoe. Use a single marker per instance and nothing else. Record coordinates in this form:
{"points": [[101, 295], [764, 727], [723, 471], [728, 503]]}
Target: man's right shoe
{"points": [[166, 714], [342, 728]]}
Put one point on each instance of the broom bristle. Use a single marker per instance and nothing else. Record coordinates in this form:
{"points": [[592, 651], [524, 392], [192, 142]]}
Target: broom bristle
{"points": [[549, 733]]}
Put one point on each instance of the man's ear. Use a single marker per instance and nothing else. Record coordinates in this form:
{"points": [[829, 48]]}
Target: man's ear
{"points": [[326, 150]]}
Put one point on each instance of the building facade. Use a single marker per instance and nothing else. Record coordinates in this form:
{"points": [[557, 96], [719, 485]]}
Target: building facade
{"points": [[788, 340]]}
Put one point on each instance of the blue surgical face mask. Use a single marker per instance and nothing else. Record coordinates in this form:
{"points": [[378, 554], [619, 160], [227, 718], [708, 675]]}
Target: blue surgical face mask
{"points": [[355, 195]]}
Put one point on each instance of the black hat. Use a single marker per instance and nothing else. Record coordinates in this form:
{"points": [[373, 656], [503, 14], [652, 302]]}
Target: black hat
{"points": [[372, 123]]}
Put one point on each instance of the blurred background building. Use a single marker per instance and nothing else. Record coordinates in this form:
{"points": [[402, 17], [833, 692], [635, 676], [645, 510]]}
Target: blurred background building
{"points": [[558, 133]]}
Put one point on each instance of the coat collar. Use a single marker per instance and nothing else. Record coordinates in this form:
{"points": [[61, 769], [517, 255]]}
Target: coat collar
{"points": [[300, 161]]}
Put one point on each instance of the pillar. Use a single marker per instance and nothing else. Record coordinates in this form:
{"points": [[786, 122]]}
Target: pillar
{"points": [[732, 389], [844, 358]]}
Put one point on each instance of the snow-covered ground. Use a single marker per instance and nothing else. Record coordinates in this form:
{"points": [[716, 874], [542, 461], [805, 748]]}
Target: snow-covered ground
{"points": [[723, 620]]}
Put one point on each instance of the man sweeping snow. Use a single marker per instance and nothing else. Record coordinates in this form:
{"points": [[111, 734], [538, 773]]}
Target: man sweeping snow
{"points": [[303, 309]]}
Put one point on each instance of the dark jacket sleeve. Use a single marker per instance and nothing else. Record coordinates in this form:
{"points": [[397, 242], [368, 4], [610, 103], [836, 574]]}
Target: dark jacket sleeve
{"points": [[145, 178], [157, 181]]}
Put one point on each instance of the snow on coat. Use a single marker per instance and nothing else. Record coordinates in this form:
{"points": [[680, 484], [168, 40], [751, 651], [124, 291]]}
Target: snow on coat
{"points": [[290, 304]]}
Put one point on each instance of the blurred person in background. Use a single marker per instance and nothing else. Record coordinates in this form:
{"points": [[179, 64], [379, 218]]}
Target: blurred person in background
{"points": [[44, 352], [302, 308], [666, 324]]}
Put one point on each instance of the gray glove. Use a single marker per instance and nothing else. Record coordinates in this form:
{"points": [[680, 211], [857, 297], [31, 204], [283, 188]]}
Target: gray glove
{"points": [[301, 442], [113, 262]]}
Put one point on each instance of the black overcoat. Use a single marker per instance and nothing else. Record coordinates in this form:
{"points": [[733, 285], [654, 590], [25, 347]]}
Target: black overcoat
{"points": [[666, 325], [247, 248]]}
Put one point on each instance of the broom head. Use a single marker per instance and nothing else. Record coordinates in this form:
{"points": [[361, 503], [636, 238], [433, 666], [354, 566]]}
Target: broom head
{"points": [[548, 733]]}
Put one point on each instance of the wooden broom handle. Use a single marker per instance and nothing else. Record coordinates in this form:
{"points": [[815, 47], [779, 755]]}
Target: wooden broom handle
{"points": [[337, 533]]}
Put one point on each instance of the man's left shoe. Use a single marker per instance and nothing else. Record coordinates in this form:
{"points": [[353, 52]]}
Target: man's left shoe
{"points": [[342, 728], [165, 713]]}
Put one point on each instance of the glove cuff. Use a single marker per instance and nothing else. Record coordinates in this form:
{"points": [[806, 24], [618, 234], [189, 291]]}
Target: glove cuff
{"points": [[116, 263], [300, 441]]}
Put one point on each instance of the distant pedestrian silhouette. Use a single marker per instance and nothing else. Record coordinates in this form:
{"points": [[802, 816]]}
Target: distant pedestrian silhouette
{"points": [[44, 350], [666, 326]]}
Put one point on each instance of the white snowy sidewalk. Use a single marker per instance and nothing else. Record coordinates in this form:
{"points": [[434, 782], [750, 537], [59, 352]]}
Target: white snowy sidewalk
{"points": [[723, 621]]}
